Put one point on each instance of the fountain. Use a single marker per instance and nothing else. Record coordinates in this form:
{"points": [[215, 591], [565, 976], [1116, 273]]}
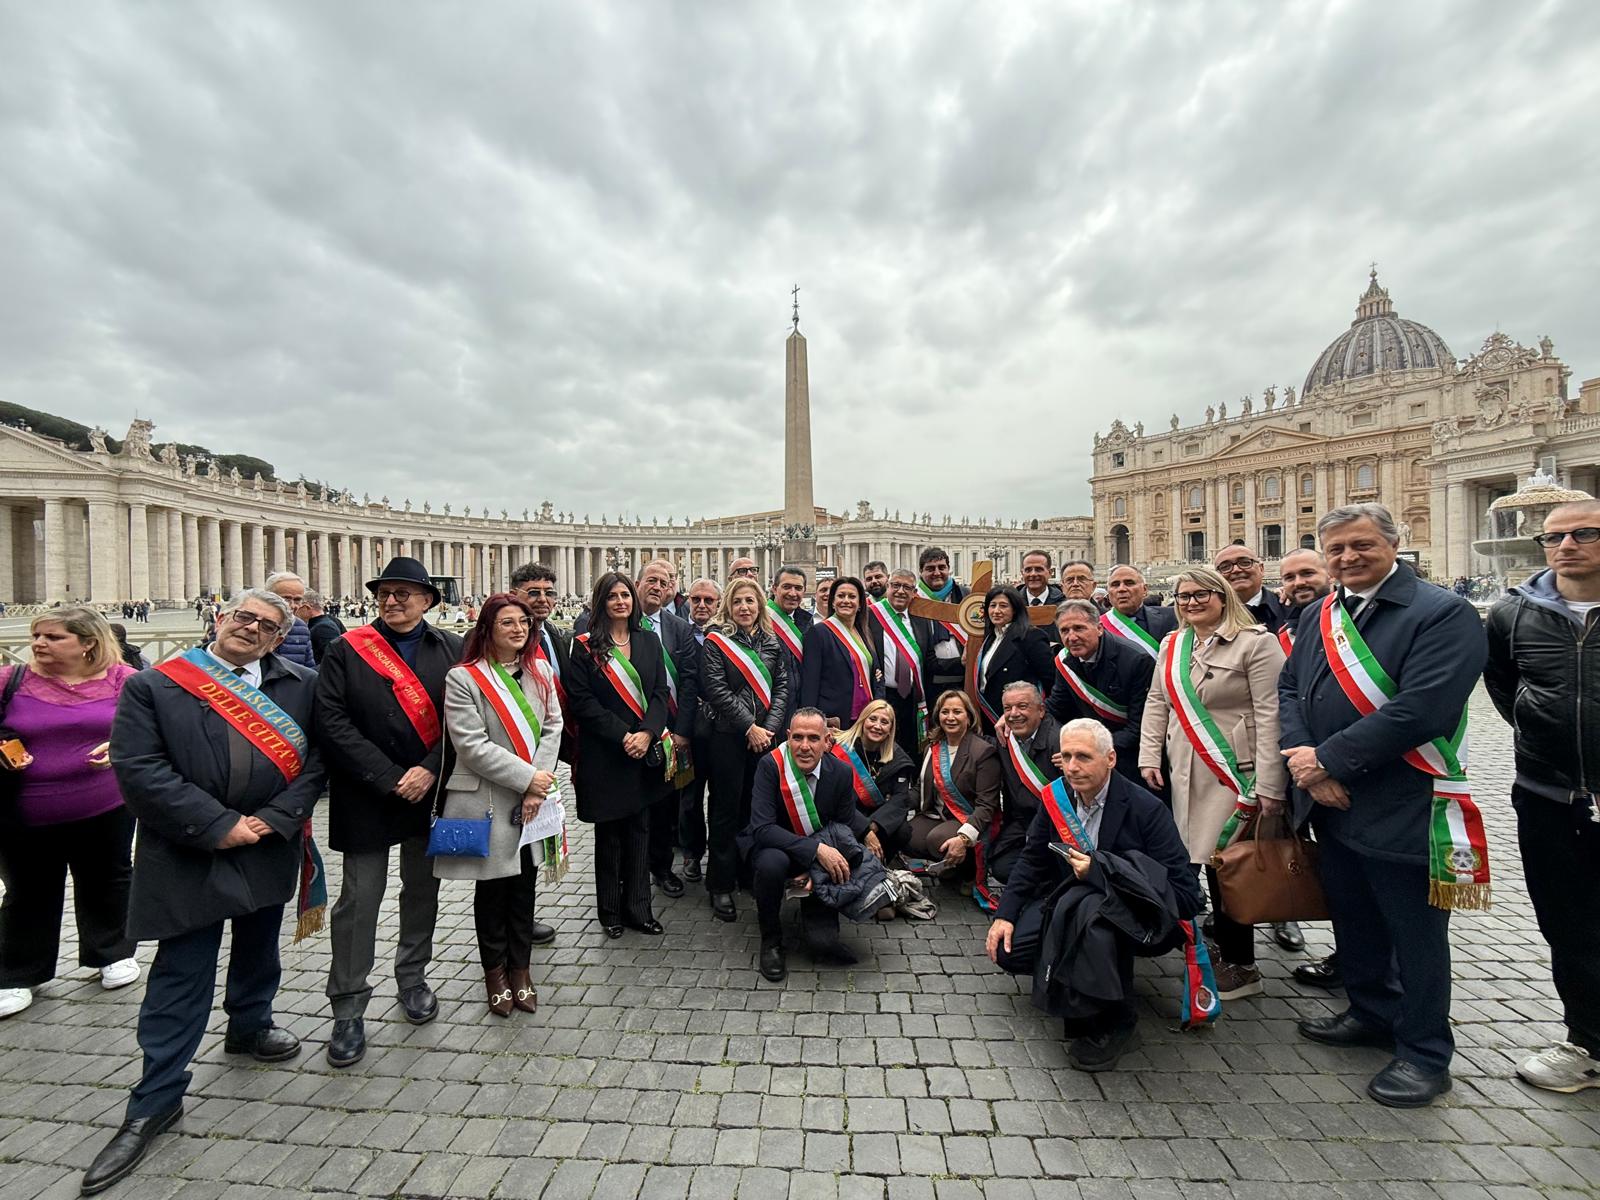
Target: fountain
{"points": [[1513, 520]]}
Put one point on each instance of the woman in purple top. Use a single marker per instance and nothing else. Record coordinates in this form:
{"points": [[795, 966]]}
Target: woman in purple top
{"points": [[68, 813]]}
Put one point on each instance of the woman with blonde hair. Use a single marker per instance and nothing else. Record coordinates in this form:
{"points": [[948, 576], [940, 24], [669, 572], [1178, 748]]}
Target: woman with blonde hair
{"points": [[744, 697], [881, 774], [62, 810], [1213, 708]]}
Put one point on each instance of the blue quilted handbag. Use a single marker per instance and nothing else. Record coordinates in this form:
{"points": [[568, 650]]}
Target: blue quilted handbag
{"points": [[458, 837]]}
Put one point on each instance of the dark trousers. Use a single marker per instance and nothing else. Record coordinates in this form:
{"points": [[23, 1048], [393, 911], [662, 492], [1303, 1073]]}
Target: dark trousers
{"points": [[179, 993], [732, 778], [1023, 957], [692, 802], [502, 909], [1005, 850], [34, 861], [663, 818], [772, 869], [1236, 943], [353, 924], [906, 733], [1394, 950], [1561, 859], [622, 870]]}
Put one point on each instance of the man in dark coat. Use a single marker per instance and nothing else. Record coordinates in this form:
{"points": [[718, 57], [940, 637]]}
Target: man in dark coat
{"points": [[1246, 574], [656, 584], [222, 789], [943, 666], [380, 697], [1373, 808], [788, 590], [1128, 593], [1111, 666], [1027, 728], [1038, 589], [902, 677], [324, 627], [780, 848], [1119, 817]]}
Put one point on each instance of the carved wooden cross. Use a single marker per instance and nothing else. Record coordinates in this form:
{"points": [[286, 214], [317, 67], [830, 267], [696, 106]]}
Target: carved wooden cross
{"points": [[968, 614]]}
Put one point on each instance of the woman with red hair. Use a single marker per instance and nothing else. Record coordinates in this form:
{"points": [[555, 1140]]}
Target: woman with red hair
{"points": [[504, 720]]}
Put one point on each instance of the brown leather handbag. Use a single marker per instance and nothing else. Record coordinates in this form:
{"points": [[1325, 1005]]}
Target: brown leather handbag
{"points": [[1270, 879]]}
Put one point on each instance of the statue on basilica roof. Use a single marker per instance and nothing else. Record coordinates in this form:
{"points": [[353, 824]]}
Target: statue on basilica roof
{"points": [[169, 453], [97, 440], [137, 443], [1288, 395], [1269, 398], [1246, 405]]}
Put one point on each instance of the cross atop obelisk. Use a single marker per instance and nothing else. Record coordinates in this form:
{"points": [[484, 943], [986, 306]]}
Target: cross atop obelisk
{"points": [[799, 506]]}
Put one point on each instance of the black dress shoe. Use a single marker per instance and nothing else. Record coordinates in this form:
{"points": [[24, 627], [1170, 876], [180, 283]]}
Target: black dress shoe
{"points": [[670, 884], [126, 1148], [834, 951], [774, 963], [1406, 1085], [1101, 1051], [722, 906], [420, 1004], [613, 931], [691, 870], [1209, 927], [1287, 934], [1345, 1030], [543, 934], [652, 927], [1323, 973], [348, 1042], [268, 1045]]}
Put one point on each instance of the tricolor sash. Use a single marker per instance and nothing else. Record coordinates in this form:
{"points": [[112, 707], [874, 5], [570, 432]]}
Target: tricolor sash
{"points": [[672, 667], [944, 782], [1202, 732], [867, 790], [624, 679], [747, 662], [1201, 1005], [1032, 775], [521, 723], [860, 663], [276, 735], [1102, 705], [788, 632], [1458, 848], [795, 789], [1129, 630], [245, 708], [897, 632], [555, 667], [374, 650], [954, 627]]}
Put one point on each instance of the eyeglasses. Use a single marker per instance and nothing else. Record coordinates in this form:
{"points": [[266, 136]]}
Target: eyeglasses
{"points": [[744, 572], [398, 595], [247, 619], [1582, 536], [1238, 565], [1192, 598]]}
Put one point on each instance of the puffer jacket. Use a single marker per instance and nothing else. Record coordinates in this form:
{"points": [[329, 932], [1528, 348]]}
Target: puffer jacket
{"points": [[1543, 675], [296, 645], [728, 704]]}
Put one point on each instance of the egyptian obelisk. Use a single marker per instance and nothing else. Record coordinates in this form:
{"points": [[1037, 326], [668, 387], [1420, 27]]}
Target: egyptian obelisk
{"points": [[799, 506]]}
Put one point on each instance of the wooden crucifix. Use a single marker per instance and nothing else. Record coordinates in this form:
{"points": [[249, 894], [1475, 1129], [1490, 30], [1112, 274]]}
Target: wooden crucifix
{"points": [[967, 615]]}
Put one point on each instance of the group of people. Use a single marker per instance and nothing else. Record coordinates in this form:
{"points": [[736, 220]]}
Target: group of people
{"points": [[1074, 770]]}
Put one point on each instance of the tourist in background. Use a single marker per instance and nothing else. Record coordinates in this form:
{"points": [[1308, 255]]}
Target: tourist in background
{"points": [[842, 670], [1013, 651], [325, 628], [132, 655], [617, 687], [881, 774], [296, 644], [67, 814], [504, 721], [744, 693], [1213, 710]]}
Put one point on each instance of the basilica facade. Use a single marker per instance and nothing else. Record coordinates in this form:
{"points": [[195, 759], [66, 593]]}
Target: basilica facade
{"points": [[1386, 413]]}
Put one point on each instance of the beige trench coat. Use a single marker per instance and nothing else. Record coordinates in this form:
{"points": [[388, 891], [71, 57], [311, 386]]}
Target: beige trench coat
{"points": [[1237, 679], [487, 771]]}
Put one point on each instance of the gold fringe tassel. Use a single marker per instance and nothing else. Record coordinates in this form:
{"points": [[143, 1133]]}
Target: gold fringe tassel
{"points": [[310, 922], [1459, 897]]}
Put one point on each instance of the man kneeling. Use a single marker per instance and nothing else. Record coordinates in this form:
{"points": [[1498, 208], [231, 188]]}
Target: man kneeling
{"points": [[1103, 865], [805, 830]]}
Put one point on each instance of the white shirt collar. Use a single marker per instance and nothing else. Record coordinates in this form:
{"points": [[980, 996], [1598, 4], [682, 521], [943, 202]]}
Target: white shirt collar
{"points": [[1099, 797], [1373, 590], [1256, 599], [250, 673]]}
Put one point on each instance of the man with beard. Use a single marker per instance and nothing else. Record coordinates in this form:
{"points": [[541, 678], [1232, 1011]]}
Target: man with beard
{"points": [[875, 577]]}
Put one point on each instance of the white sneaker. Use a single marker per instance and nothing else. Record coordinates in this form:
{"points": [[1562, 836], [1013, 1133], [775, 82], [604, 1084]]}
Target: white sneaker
{"points": [[1562, 1068], [119, 974], [14, 1000]]}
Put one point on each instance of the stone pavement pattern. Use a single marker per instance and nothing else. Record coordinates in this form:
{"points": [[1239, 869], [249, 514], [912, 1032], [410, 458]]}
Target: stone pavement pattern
{"points": [[667, 1068]]}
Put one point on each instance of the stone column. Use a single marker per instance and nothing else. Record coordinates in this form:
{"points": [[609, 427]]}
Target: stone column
{"points": [[1458, 537], [363, 563], [55, 551], [302, 556], [324, 583], [177, 586], [1251, 535], [280, 557], [8, 571], [191, 555], [138, 552], [1388, 489], [256, 555], [233, 538], [104, 549]]}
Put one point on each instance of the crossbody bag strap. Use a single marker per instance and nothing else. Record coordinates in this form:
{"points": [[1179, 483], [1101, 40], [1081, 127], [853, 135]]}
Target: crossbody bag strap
{"points": [[13, 685]]}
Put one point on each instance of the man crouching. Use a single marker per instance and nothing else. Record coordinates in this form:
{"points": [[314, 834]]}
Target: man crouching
{"points": [[1103, 865]]}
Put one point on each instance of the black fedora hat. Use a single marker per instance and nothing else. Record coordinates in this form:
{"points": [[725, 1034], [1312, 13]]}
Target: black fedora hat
{"points": [[405, 570]]}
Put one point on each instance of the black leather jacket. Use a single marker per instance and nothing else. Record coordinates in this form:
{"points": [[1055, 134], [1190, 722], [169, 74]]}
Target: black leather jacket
{"points": [[728, 704], [1543, 675]]}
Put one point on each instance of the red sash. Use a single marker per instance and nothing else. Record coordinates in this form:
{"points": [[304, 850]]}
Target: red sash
{"points": [[247, 709], [374, 650], [1285, 639]]}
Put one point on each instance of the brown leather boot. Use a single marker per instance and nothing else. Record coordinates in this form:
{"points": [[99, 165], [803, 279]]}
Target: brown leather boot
{"points": [[524, 997], [494, 980]]}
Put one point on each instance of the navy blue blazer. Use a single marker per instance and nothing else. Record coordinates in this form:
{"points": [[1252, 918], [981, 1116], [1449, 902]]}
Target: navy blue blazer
{"points": [[1432, 644], [1123, 672], [827, 680], [769, 828], [1028, 659], [677, 635], [1157, 620], [1133, 820]]}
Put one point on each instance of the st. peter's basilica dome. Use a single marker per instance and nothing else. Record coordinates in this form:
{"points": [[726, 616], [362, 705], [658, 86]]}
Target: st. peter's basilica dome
{"points": [[1377, 340]]}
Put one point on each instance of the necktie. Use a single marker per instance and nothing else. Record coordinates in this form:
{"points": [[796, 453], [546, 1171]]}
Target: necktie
{"points": [[1035, 602], [1353, 604], [902, 674]]}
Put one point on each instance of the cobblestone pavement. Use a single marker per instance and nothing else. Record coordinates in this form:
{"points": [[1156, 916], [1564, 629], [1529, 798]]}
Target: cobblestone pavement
{"points": [[667, 1068]]}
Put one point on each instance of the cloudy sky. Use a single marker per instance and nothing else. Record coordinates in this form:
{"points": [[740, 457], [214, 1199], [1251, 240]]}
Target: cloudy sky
{"points": [[502, 252]]}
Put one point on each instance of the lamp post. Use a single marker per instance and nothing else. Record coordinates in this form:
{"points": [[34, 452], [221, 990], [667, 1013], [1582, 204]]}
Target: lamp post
{"points": [[769, 539], [998, 555]]}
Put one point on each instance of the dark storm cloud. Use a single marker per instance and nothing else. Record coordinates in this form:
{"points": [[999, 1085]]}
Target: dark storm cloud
{"points": [[496, 253]]}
